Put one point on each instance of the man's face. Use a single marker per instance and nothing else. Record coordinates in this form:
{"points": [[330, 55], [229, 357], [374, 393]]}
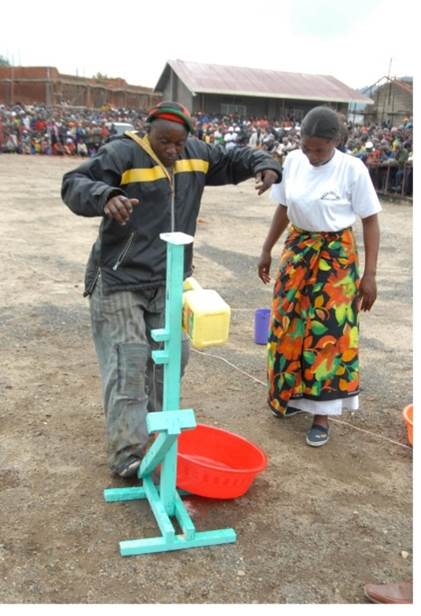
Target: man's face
{"points": [[168, 140]]}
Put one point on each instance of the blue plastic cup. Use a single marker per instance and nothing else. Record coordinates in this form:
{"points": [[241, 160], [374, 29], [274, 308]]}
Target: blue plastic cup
{"points": [[261, 325]]}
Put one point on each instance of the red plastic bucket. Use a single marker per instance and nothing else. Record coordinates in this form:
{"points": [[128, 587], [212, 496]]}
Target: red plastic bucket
{"points": [[407, 415], [216, 463]]}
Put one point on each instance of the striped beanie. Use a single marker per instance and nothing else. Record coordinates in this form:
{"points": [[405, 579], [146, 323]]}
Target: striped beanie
{"points": [[172, 112]]}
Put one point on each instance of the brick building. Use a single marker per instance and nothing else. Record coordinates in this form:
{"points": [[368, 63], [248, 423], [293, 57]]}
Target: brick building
{"points": [[45, 85]]}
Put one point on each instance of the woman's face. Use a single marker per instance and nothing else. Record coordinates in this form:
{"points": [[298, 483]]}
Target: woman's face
{"points": [[318, 150]]}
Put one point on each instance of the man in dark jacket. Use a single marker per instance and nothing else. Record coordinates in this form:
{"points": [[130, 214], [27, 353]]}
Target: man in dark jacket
{"points": [[143, 187]]}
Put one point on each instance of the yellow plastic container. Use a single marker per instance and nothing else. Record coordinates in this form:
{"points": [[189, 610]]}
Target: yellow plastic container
{"points": [[206, 317], [191, 284]]}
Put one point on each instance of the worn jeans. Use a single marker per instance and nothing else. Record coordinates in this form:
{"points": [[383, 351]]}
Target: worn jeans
{"points": [[132, 384]]}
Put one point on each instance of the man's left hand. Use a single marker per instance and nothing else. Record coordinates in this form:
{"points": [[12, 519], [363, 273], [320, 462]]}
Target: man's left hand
{"points": [[265, 179]]}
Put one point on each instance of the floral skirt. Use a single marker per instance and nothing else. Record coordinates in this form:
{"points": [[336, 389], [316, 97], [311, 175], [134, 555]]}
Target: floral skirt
{"points": [[313, 342]]}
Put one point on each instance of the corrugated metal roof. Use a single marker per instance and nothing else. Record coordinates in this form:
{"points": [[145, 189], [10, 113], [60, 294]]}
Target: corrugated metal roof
{"points": [[241, 81], [406, 86]]}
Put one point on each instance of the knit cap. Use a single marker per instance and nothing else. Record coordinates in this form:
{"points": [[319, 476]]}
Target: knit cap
{"points": [[173, 112]]}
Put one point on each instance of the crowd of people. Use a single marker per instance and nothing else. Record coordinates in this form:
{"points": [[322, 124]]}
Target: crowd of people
{"points": [[386, 150], [36, 129]]}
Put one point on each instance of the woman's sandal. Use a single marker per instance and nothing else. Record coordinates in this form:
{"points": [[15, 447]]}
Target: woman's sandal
{"points": [[317, 436]]}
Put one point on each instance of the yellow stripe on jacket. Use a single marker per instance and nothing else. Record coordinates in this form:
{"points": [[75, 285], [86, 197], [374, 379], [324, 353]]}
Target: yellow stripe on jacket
{"points": [[191, 164], [151, 174]]}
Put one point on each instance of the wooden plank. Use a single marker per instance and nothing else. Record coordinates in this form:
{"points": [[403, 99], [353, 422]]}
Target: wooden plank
{"points": [[124, 494], [161, 517], [158, 544]]}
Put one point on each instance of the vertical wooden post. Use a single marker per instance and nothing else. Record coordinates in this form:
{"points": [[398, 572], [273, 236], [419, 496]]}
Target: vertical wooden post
{"points": [[172, 368]]}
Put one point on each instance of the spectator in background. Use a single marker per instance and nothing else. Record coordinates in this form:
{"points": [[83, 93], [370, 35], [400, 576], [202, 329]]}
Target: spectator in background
{"points": [[400, 159], [372, 154], [49, 129], [230, 139], [254, 140], [343, 133]]}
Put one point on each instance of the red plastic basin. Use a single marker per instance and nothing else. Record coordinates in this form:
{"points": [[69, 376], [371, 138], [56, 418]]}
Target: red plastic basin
{"points": [[216, 463], [408, 417]]}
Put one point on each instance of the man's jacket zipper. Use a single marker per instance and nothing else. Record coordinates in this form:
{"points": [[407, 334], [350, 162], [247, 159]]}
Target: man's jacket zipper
{"points": [[124, 252]]}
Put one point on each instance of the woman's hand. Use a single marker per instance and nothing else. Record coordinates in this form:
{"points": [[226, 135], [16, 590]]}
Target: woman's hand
{"points": [[277, 227], [367, 291], [263, 267], [368, 287]]}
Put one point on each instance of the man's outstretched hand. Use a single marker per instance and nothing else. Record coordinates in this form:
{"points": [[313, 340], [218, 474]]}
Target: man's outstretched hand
{"points": [[120, 208], [265, 179]]}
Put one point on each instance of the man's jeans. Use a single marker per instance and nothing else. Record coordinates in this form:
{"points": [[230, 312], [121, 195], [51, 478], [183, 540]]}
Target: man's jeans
{"points": [[132, 384]]}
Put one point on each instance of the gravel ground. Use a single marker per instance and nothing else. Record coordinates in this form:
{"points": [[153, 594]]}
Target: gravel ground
{"points": [[315, 525]]}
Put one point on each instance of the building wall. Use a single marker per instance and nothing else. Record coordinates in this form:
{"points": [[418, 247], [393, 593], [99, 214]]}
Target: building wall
{"points": [[392, 102], [271, 108], [175, 90], [45, 85], [184, 96]]}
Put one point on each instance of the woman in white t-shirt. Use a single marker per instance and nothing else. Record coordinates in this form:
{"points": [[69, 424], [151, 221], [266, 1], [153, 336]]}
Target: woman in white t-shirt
{"points": [[318, 293]]}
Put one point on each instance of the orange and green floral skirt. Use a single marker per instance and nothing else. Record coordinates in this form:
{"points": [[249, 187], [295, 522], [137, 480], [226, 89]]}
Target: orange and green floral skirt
{"points": [[313, 342]]}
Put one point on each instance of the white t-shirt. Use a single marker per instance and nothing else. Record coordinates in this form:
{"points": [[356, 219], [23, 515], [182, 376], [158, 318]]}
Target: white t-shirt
{"points": [[326, 198], [230, 137]]}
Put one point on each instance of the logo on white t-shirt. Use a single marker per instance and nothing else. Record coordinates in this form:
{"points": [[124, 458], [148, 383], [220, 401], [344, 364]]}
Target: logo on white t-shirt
{"points": [[330, 195]]}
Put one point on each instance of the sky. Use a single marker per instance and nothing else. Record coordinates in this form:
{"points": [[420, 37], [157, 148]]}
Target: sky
{"points": [[357, 42]]}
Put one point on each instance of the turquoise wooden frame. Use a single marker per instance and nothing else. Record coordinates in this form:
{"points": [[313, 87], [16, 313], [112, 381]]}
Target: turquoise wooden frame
{"points": [[164, 500]]}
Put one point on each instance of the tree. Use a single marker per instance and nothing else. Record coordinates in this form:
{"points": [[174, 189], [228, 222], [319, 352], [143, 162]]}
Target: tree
{"points": [[4, 61], [100, 77]]}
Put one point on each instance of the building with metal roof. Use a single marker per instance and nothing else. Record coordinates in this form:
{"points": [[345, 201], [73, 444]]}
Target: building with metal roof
{"points": [[248, 92], [392, 102]]}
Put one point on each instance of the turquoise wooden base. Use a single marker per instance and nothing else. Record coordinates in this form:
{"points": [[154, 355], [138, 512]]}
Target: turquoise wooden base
{"points": [[168, 541]]}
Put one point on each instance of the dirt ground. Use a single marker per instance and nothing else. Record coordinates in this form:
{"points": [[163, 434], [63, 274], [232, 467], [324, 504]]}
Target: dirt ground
{"points": [[316, 524]]}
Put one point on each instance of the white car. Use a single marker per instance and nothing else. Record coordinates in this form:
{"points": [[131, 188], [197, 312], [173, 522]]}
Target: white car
{"points": [[118, 128]]}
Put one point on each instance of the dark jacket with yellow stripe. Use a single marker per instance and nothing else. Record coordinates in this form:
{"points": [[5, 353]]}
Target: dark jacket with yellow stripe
{"points": [[133, 256]]}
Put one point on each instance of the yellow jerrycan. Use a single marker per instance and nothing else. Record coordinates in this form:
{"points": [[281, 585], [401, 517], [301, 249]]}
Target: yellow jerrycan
{"points": [[206, 316]]}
